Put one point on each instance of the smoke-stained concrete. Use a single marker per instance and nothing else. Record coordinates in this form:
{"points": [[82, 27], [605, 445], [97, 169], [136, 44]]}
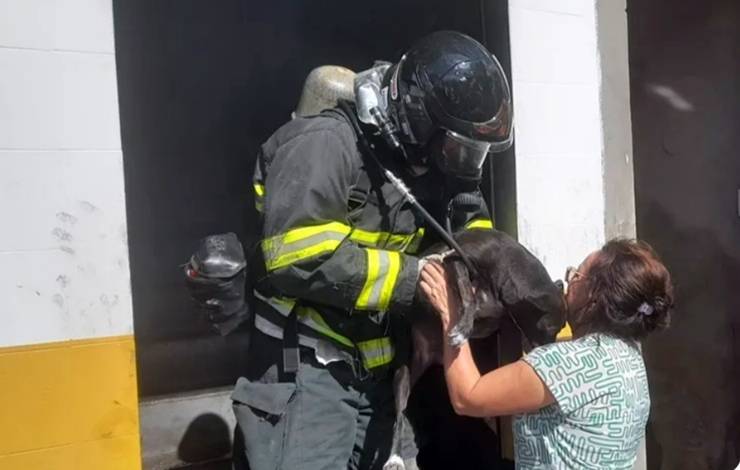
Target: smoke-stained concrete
{"points": [[685, 71]]}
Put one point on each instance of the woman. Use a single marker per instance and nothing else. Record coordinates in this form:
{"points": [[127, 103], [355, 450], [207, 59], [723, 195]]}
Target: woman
{"points": [[582, 403]]}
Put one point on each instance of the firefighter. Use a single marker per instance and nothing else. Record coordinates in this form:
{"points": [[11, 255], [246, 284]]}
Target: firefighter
{"points": [[339, 250]]}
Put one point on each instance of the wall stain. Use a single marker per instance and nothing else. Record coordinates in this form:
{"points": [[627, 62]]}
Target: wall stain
{"points": [[88, 206], [61, 234], [109, 302], [63, 281], [66, 218]]}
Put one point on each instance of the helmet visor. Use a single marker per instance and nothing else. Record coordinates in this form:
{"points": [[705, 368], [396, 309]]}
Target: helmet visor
{"points": [[462, 156]]}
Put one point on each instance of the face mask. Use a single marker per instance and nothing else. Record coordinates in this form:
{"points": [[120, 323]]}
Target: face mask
{"points": [[459, 156]]}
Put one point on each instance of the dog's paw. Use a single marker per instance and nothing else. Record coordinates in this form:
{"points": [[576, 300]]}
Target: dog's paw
{"points": [[395, 462]]}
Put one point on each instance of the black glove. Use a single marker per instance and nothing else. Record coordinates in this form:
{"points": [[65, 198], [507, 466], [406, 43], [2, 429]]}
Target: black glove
{"points": [[216, 279]]}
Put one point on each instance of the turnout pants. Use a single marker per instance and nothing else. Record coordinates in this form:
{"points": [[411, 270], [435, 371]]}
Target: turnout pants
{"points": [[323, 418]]}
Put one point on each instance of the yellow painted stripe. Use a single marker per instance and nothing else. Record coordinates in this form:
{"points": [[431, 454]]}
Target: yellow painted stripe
{"points": [[117, 453], [480, 224], [565, 333], [259, 189], [69, 404], [390, 280]]}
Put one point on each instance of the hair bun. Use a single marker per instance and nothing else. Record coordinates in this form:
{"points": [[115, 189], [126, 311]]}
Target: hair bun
{"points": [[645, 309], [658, 317]]}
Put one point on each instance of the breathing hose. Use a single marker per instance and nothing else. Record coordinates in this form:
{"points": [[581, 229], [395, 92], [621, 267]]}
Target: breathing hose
{"points": [[405, 191]]}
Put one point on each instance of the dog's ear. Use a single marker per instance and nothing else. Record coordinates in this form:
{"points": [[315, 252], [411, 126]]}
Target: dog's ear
{"points": [[468, 303], [537, 304]]}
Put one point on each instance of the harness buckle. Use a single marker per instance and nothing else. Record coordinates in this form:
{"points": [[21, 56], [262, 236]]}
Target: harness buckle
{"points": [[291, 360]]}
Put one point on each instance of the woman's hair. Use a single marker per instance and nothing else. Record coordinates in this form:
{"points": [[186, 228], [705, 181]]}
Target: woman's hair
{"points": [[630, 291]]}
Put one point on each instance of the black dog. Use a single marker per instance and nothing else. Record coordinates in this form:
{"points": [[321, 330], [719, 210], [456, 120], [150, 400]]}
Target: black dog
{"points": [[509, 281]]}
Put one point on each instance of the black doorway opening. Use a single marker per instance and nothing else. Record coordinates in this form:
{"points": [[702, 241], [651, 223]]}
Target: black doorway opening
{"points": [[201, 86]]}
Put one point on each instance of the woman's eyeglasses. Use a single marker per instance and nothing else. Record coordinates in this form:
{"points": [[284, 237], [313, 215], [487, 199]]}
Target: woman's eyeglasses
{"points": [[572, 275]]}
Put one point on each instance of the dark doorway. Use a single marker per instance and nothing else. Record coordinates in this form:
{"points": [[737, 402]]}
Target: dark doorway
{"points": [[201, 86]]}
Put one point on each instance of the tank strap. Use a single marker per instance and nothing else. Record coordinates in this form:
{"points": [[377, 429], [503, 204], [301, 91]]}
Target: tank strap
{"points": [[291, 353]]}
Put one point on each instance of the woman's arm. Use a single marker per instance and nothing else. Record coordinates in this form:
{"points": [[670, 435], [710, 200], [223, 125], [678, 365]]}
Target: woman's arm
{"points": [[511, 389]]}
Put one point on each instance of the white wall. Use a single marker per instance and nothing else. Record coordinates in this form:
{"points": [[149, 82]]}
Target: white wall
{"points": [[573, 135], [64, 270], [570, 75]]}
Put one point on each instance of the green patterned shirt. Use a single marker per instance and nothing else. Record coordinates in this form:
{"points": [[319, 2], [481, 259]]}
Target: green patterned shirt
{"points": [[601, 406]]}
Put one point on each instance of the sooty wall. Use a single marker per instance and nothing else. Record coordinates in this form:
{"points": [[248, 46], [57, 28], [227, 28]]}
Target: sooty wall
{"points": [[685, 73]]}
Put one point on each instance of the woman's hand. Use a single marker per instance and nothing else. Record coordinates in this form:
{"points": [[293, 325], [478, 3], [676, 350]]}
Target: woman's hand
{"points": [[511, 389], [434, 284]]}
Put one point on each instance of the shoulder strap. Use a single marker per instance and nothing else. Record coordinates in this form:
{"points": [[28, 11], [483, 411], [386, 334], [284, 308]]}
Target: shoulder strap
{"points": [[371, 179]]}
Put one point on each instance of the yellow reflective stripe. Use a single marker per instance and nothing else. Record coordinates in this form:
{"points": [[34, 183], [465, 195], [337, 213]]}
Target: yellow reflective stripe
{"points": [[479, 223], [301, 233], [315, 321], [376, 352], [383, 268], [312, 251], [302, 243], [399, 242], [259, 200], [306, 315], [415, 242], [392, 241], [374, 239]]}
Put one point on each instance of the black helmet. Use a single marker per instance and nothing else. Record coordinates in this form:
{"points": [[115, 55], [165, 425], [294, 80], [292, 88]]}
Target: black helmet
{"points": [[448, 87]]}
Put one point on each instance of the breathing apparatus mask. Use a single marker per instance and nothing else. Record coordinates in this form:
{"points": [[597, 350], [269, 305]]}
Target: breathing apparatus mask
{"points": [[451, 108], [371, 101]]}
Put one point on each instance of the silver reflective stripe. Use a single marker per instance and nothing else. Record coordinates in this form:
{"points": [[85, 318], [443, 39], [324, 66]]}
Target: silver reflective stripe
{"points": [[377, 288], [325, 351], [306, 316], [383, 268], [270, 329], [282, 305]]}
